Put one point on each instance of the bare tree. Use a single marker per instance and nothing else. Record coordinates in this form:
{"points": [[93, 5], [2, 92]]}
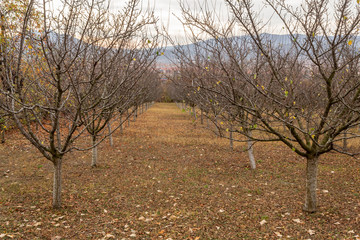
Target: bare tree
{"points": [[49, 87], [123, 84], [205, 73], [306, 85]]}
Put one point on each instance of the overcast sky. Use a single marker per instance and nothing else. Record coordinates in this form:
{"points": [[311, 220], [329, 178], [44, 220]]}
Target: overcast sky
{"points": [[168, 10]]}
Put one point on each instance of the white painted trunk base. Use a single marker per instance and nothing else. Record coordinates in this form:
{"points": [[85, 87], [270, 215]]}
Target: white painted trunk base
{"points": [[110, 134], [94, 153], [311, 185], [57, 183], [251, 151]]}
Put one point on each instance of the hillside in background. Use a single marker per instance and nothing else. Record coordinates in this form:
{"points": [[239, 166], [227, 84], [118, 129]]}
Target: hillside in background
{"points": [[281, 41]]}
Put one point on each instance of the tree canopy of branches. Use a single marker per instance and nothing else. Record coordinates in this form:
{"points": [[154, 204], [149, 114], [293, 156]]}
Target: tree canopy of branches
{"points": [[302, 90], [65, 72]]}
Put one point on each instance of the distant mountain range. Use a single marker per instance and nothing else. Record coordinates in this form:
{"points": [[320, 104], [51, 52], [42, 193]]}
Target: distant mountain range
{"points": [[282, 41]]}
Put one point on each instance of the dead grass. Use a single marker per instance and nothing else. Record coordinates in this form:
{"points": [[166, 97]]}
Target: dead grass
{"points": [[169, 178]]}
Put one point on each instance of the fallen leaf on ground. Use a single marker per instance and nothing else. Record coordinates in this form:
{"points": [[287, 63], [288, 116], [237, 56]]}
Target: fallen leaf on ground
{"points": [[311, 232], [56, 238], [108, 235], [297, 220]]}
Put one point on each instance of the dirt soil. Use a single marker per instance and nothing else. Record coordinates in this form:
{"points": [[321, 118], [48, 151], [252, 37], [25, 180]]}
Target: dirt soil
{"points": [[168, 177]]}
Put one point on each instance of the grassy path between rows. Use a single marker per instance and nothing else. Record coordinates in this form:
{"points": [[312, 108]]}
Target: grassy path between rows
{"points": [[167, 177]]}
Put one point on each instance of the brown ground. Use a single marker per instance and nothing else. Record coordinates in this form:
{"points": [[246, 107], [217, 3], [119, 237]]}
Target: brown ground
{"points": [[169, 178]]}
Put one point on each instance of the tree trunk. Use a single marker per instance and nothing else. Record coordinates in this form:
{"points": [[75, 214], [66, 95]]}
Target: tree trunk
{"points": [[218, 128], [110, 134], [58, 136], [250, 150], [345, 142], [57, 183], [311, 184], [3, 136], [231, 138], [128, 117], [94, 152]]}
